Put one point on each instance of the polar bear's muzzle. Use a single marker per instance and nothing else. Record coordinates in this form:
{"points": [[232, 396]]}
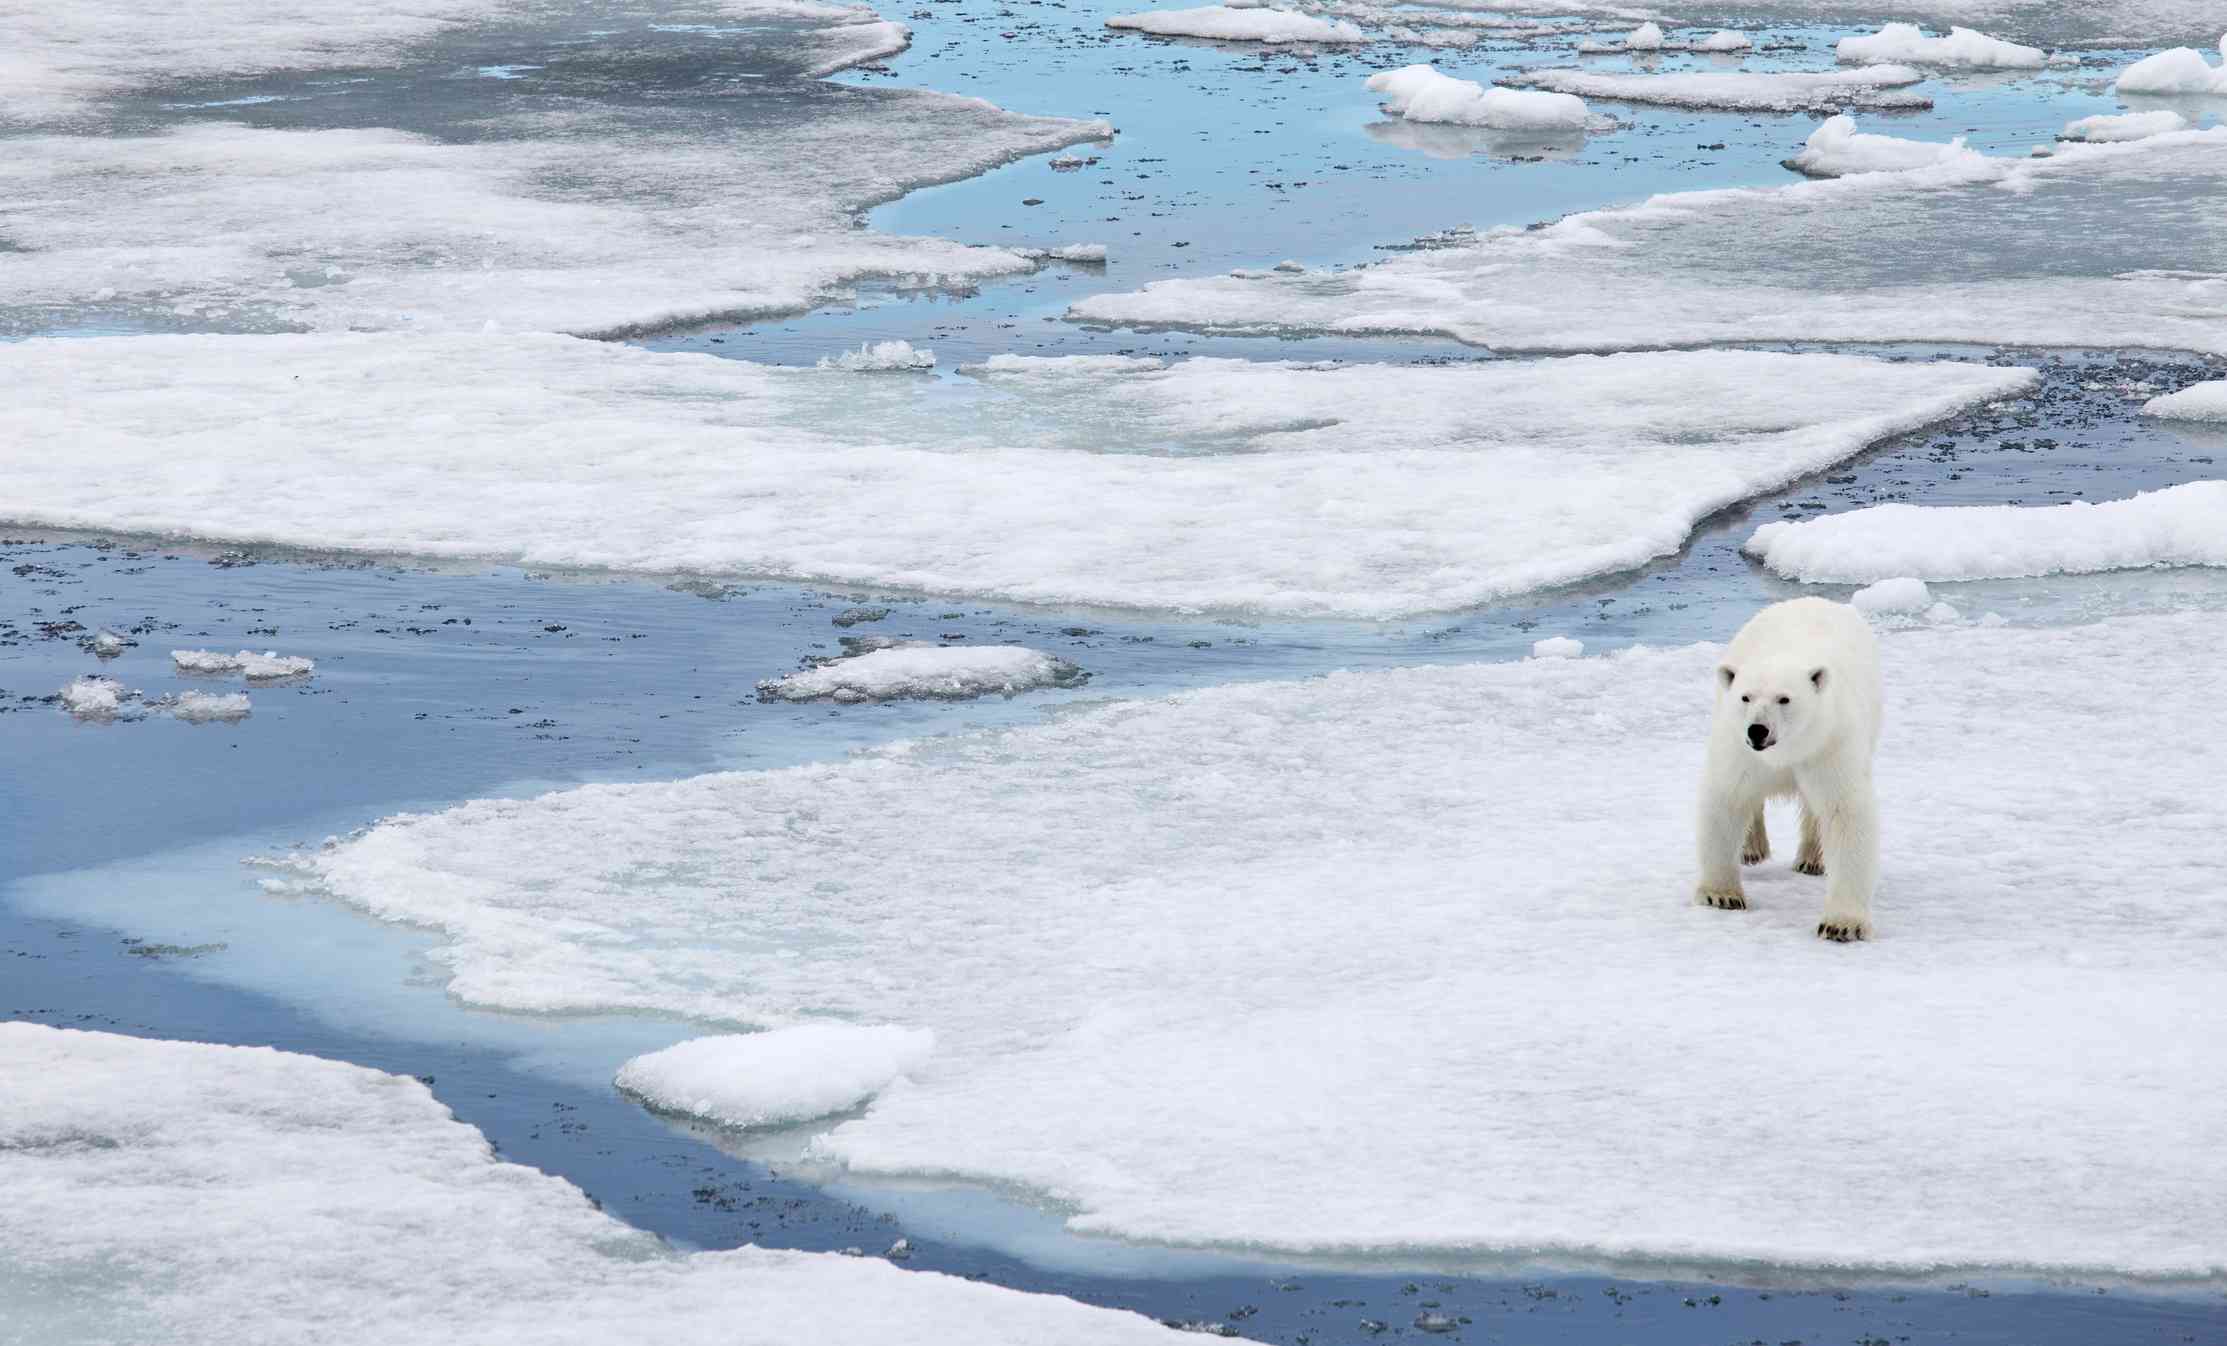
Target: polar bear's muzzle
{"points": [[1760, 737]]}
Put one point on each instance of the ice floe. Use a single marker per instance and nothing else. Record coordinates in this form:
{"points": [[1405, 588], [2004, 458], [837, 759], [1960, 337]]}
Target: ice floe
{"points": [[1874, 86], [2097, 245], [1903, 594], [2198, 402], [1836, 149], [208, 707], [97, 698], [784, 1075], [1366, 491], [2183, 70], [1437, 922], [882, 357], [238, 1196], [2091, 23], [941, 672], [1557, 647], [269, 666], [1648, 38], [2182, 525], [1907, 44], [1420, 94], [2106, 128], [1252, 23]]}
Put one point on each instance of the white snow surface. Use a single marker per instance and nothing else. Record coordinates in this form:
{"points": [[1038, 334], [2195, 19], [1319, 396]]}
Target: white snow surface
{"points": [[598, 221], [2183, 70], [785, 1075], [2097, 245], [2105, 128], [269, 666], [1421, 94], [1836, 149], [1252, 23], [1907, 44], [1436, 925], [2197, 402], [2182, 525], [1209, 485], [200, 1195], [948, 672], [1873, 86], [876, 357]]}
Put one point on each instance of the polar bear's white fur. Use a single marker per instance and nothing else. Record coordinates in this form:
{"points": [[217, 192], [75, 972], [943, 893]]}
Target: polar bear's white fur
{"points": [[1797, 714]]}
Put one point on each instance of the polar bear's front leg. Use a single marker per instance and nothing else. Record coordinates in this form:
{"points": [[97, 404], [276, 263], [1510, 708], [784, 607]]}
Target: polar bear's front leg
{"points": [[1851, 836], [1721, 833]]}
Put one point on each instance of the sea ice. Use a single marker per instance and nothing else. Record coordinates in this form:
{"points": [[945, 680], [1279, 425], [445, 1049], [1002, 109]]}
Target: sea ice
{"points": [[2197, 402], [2183, 70], [1907, 43], [1557, 647], [1224, 23], [1836, 149], [1209, 485], [1648, 37], [2097, 245], [2182, 525], [200, 1195], [2106, 128], [1420, 94], [1875, 86], [2092, 23], [1895, 595], [942, 672], [207, 707], [1436, 924], [784, 1075], [96, 698], [881, 357], [269, 666]]}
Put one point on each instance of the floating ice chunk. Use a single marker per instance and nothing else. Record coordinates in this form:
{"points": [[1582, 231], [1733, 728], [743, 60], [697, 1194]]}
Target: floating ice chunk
{"points": [[1166, 995], [97, 698], [1223, 485], [1875, 86], [194, 1194], [1895, 595], [942, 672], [269, 666], [206, 707], [1724, 39], [776, 1077], [1420, 94], [1941, 614], [2125, 126], [1961, 252], [106, 644], [1647, 37], [1225, 23], [1836, 149], [881, 357], [2183, 70], [2197, 402], [1557, 647], [1908, 44], [1069, 252], [2179, 526]]}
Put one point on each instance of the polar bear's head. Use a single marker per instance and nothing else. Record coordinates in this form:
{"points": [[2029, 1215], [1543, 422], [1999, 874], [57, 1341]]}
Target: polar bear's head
{"points": [[1777, 706]]}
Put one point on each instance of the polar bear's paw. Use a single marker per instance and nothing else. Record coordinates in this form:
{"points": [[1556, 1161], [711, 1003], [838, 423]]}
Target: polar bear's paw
{"points": [[1755, 853], [1806, 865], [1723, 899], [1844, 929]]}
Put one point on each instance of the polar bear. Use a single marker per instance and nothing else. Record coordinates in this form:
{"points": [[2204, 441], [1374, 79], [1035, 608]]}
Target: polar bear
{"points": [[1797, 714]]}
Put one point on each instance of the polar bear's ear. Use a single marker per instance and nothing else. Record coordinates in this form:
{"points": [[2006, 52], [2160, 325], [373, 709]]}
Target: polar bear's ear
{"points": [[1817, 678], [1725, 674]]}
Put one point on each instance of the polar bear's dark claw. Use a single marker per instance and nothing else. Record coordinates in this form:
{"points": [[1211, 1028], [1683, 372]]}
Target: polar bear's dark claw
{"points": [[1809, 866]]}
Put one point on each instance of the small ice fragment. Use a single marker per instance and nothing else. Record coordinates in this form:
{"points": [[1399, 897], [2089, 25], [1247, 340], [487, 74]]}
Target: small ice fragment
{"points": [[1895, 595], [948, 672], [1646, 37], [1941, 613], [208, 707], [1557, 647], [1420, 94], [269, 666], [776, 1077], [95, 698], [881, 357], [2197, 402], [1907, 43], [1228, 23], [1837, 149], [107, 644], [853, 616], [1994, 619], [2124, 126], [1724, 39], [2183, 70]]}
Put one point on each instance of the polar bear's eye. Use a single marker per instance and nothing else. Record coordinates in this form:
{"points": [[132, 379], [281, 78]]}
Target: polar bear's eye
{"points": [[1784, 700]]}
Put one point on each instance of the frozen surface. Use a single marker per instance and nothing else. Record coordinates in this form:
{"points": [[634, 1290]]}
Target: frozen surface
{"points": [[2183, 70], [269, 666], [1836, 148], [1908, 44], [1436, 923], [2102, 245], [96, 698], [1226, 23], [2199, 402], [586, 219], [2180, 526], [2107, 127], [785, 1075], [1209, 485], [186, 1193], [881, 357], [1420, 94], [1872, 86], [1896, 595], [209, 707], [944, 672]]}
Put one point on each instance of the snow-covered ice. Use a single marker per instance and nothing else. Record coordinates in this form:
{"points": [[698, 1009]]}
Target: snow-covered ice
{"points": [[2107, 127], [944, 672], [2182, 525], [881, 357], [1420, 94], [1907, 44], [1251, 23], [208, 707], [1723, 40], [1902, 594], [1836, 149], [1408, 959], [1648, 38], [2183, 70], [1557, 647], [2097, 245], [268, 666], [785, 1075], [201, 1195], [2197, 402], [1209, 485], [1874, 86], [2091, 23], [96, 698]]}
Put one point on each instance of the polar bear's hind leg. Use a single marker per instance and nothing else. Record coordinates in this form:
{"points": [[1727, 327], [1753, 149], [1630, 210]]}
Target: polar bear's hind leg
{"points": [[1810, 859], [1757, 848]]}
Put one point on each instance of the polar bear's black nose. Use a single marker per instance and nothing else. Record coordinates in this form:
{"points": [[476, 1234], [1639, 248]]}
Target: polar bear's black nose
{"points": [[1757, 733]]}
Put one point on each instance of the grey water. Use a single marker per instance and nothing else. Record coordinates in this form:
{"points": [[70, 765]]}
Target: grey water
{"points": [[124, 905]]}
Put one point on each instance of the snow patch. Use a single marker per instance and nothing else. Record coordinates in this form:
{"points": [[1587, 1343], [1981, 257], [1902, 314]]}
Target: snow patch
{"points": [[1907, 43], [776, 1077], [940, 672], [1420, 94], [1225, 23]]}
